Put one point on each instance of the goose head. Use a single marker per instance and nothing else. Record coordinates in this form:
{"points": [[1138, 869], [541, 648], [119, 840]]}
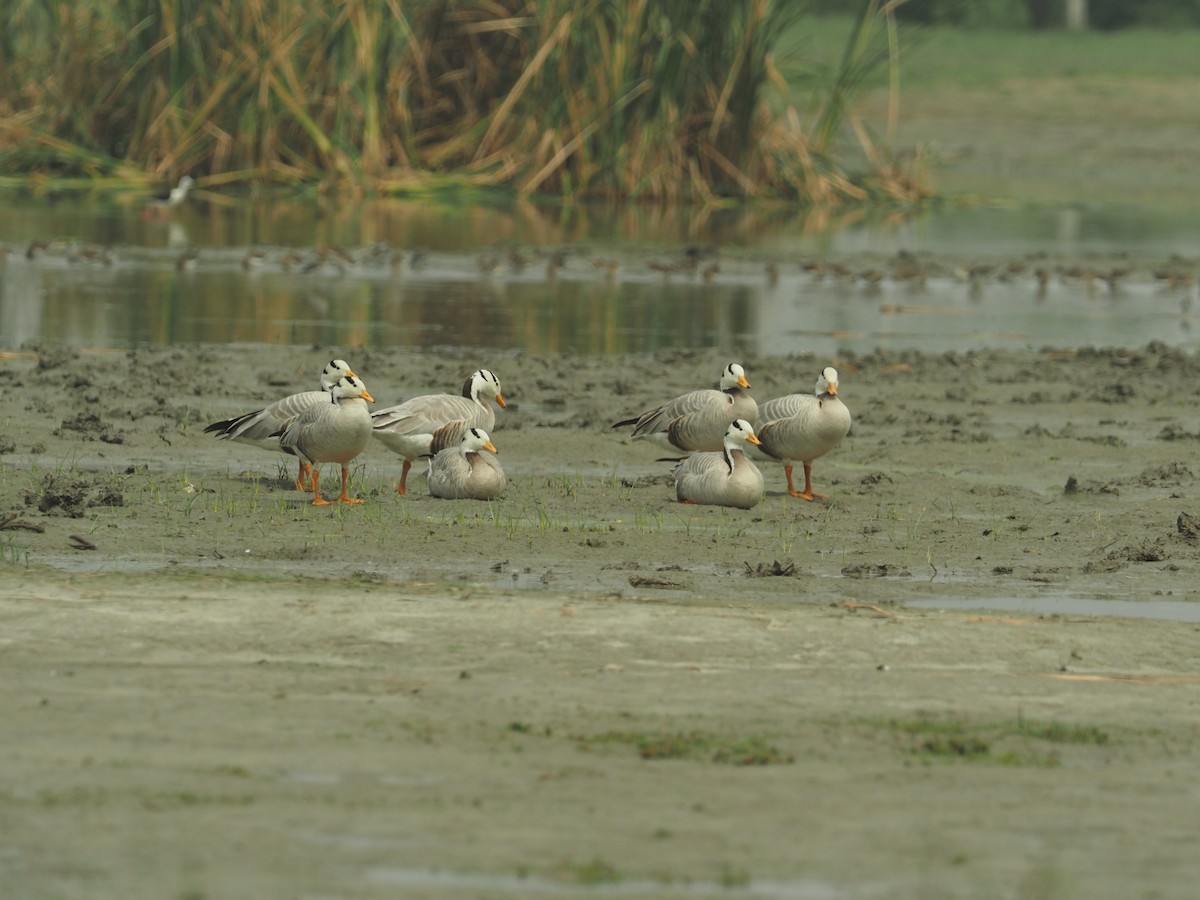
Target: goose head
{"points": [[334, 370], [475, 440], [734, 376], [827, 382], [740, 432], [350, 387], [484, 384]]}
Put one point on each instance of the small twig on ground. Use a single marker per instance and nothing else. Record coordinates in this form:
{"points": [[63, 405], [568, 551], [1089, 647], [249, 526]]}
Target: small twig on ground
{"points": [[853, 605]]}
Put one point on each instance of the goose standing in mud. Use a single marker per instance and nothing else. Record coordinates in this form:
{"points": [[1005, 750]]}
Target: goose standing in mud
{"points": [[804, 427], [727, 478], [261, 428], [697, 420], [469, 471], [334, 431], [409, 429]]}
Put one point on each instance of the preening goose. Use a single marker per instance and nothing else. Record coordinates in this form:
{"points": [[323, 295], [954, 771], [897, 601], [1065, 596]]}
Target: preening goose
{"points": [[409, 428], [469, 471], [334, 431], [262, 427], [727, 478], [697, 420], [804, 427]]}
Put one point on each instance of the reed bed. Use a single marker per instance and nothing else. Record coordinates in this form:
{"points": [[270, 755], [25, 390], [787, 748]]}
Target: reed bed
{"points": [[644, 99]]}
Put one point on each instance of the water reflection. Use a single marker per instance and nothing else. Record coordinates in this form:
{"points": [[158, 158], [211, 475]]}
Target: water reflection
{"points": [[417, 274]]}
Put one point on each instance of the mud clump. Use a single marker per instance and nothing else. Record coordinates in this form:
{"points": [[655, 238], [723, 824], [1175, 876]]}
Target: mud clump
{"points": [[90, 427], [875, 570], [776, 569], [53, 357], [1188, 527], [69, 495]]}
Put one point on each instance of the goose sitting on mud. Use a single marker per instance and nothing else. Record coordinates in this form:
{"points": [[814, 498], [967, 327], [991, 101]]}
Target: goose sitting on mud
{"points": [[697, 420], [804, 427], [727, 478], [335, 431], [409, 428], [261, 428], [469, 471]]}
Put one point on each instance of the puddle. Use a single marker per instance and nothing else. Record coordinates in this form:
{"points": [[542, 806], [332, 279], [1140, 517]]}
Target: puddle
{"points": [[455, 883], [1165, 610]]}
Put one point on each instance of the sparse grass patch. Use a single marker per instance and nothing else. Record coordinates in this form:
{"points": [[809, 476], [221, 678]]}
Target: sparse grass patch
{"points": [[700, 746], [1016, 743], [596, 871]]}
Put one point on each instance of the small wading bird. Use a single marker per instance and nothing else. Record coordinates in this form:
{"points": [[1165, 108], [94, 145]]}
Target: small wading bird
{"points": [[163, 204], [336, 430], [469, 471], [727, 478], [261, 427], [697, 420], [409, 428], [804, 427]]}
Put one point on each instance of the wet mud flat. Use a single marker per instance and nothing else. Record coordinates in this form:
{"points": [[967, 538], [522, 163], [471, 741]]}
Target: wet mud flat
{"points": [[217, 688]]}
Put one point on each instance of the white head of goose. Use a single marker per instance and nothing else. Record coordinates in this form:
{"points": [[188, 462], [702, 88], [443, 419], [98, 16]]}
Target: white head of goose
{"points": [[408, 429], [469, 471], [336, 430], [262, 427], [804, 427], [727, 478]]}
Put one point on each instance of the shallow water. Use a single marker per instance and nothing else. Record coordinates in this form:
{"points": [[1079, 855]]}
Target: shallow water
{"points": [[414, 274], [1162, 610]]}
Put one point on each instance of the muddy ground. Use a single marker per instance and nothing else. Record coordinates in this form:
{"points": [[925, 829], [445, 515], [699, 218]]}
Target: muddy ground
{"points": [[213, 689]]}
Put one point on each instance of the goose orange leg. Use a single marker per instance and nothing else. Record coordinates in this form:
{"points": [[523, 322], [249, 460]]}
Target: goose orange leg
{"points": [[807, 493], [318, 500], [304, 478], [346, 498], [403, 489]]}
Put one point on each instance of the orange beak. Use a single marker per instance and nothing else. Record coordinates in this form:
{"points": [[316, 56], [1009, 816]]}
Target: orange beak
{"points": [[500, 400]]}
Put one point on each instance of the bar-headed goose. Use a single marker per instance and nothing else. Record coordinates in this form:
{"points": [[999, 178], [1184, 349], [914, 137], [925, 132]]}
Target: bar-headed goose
{"points": [[334, 431], [727, 478], [409, 428], [697, 420], [469, 471], [804, 427], [262, 427]]}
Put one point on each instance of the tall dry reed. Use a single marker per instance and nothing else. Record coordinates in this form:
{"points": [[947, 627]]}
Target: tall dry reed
{"points": [[643, 99]]}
